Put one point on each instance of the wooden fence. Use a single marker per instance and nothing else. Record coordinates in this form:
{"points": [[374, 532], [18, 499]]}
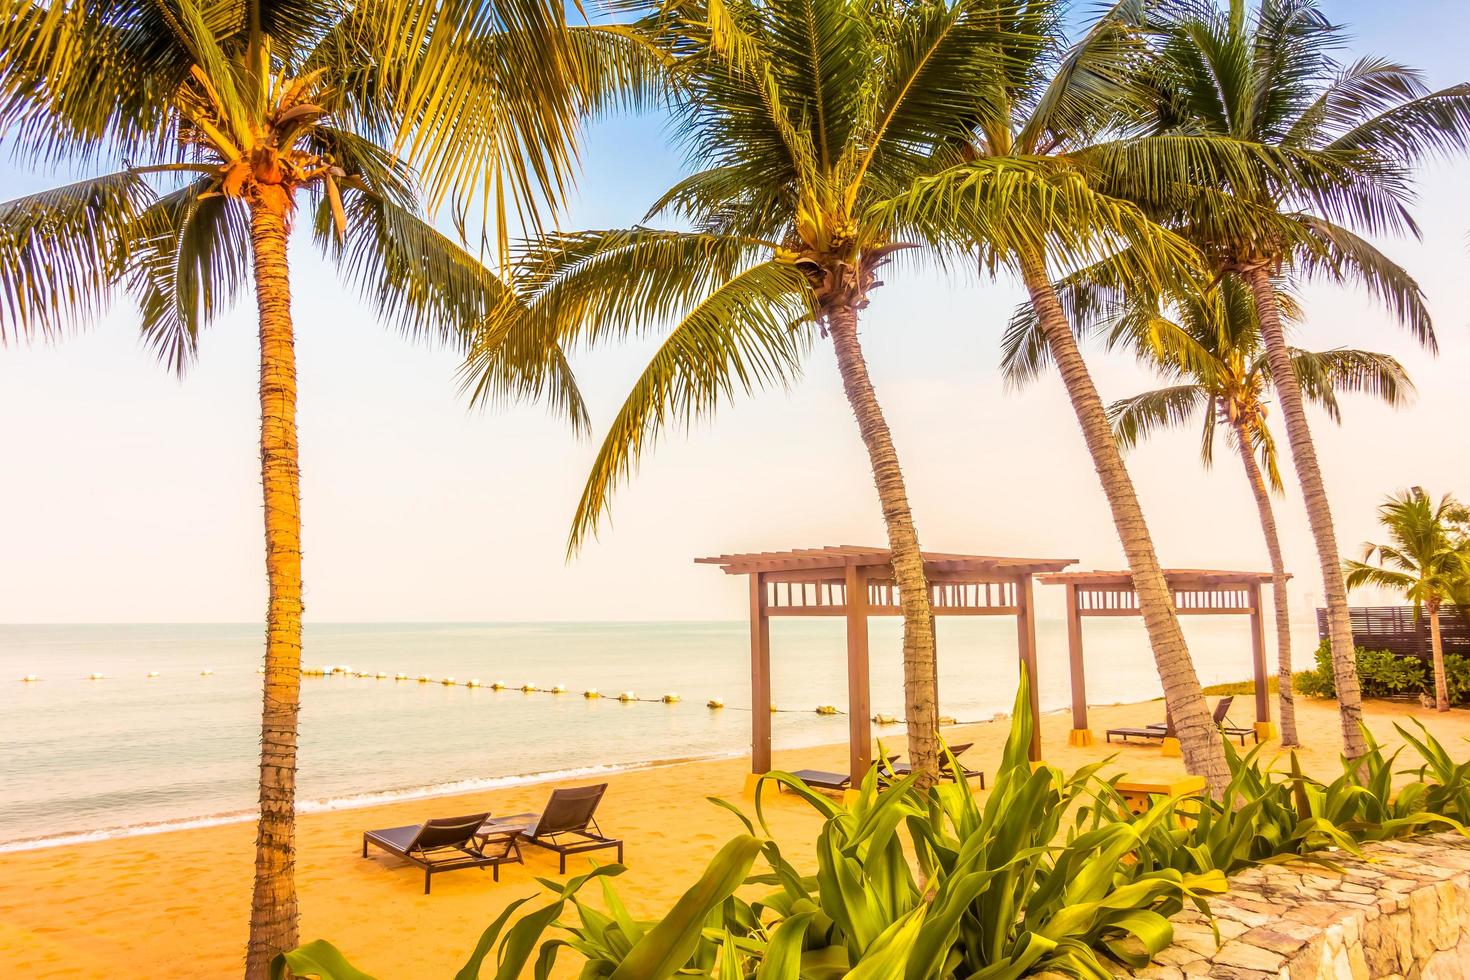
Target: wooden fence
{"points": [[1395, 629]]}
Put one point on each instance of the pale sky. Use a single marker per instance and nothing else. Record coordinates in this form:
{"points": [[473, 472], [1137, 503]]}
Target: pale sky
{"points": [[130, 496]]}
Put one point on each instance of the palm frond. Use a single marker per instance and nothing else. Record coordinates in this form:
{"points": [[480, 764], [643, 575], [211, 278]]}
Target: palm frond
{"points": [[62, 251], [1322, 374], [1135, 419], [1332, 252], [191, 262], [752, 332]]}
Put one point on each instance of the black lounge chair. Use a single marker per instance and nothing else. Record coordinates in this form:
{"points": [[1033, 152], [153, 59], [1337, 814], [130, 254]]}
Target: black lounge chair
{"points": [[447, 844], [822, 779], [946, 770], [570, 814], [1223, 722], [1151, 732]]}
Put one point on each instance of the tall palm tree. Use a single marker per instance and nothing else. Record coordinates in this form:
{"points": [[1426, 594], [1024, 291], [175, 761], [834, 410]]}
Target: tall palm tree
{"points": [[1210, 348], [1427, 559], [246, 112], [797, 115], [1024, 186], [1343, 141]]}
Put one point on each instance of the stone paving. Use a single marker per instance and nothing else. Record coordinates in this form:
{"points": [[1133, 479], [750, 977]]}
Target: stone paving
{"points": [[1403, 913]]}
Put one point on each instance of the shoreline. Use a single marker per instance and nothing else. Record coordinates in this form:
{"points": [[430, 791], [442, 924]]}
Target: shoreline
{"points": [[386, 797]]}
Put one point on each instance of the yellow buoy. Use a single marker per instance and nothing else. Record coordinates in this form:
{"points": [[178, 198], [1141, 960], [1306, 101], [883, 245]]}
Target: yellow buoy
{"points": [[380, 675], [826, 709], [627, 696], [559, 689], [528, 688], [947, 720], [205, 672], [94, 677], [670, 698], [591, 694], [400, 677], [472, 682], [448, 681], [424, 678], [882, 719], [715, 703], [498, 686], [153, 673], [30, 678]]}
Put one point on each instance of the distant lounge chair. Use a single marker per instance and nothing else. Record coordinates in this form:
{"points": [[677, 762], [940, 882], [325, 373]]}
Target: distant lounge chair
{"points": [[946, 770], [1159, 733], [822, 779], [570, 813], [1223, 722], [447, 844]]}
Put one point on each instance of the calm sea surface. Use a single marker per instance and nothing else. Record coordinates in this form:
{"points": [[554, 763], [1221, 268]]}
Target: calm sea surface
{"points": [[129, 752]]}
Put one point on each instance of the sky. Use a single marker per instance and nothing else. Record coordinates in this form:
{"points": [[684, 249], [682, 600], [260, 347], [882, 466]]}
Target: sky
{"points": [[130, 495]]}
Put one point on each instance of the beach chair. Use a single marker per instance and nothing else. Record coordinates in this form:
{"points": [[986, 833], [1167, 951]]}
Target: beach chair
{"points": [[568, 825], [946, 771], [834, 781], [447, 844], [1223, 722], [1157, 732]]}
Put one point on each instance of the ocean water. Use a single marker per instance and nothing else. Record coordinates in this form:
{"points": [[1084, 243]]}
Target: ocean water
{"points": [[82, 758]]}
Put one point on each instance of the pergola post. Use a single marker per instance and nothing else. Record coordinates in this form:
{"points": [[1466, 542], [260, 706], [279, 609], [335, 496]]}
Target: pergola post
{"points": [[1264, 728], [1081, 734], [859, 699], [1026, 643], [760, 677]]}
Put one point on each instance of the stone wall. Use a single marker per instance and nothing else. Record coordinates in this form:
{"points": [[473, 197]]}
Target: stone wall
{"points": [[1402, 913]]}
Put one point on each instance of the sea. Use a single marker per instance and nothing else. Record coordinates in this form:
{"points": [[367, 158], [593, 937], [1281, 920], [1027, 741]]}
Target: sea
{"points": [[165, 735]]}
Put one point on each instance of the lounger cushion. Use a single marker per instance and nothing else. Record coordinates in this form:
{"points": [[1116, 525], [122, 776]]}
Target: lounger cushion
{"points": [[395, 838], [821, 779]]}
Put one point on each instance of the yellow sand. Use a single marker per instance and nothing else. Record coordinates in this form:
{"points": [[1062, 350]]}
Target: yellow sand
{"points": [[175, 904]]}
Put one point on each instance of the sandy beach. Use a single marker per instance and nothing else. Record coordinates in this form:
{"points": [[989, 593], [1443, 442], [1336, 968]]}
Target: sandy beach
{"points": [[175, 904]]}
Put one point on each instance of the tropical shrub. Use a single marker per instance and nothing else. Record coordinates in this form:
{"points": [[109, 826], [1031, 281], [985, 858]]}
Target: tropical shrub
{"points": [[1382, 674]]}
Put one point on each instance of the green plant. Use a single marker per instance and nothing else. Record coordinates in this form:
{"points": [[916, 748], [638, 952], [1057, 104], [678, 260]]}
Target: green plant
{"points": [[1382, 674], [1427, 559]]}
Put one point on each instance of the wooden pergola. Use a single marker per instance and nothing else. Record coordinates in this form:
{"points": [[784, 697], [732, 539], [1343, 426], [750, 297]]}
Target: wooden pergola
{"points": [[1196, 591], [856, 583]]}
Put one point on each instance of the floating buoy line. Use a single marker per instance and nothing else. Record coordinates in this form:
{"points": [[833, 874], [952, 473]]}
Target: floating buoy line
{"points": [[590, 694]]}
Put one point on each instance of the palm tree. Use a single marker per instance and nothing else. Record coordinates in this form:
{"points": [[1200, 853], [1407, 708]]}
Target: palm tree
{"points": [[247, 112], [1428, 560], [1341, 142], [798, 115], [1211, 349], [1025, 187]]}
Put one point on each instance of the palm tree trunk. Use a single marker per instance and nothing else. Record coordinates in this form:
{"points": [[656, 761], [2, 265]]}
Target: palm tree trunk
{"points": [[920, 670], [1199, 738], [1319, 514], [273, 909], [1436, 644], [1289, 737]]}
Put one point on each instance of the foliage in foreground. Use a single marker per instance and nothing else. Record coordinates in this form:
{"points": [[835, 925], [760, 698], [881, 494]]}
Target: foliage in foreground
{"points": [[1050, 872]]}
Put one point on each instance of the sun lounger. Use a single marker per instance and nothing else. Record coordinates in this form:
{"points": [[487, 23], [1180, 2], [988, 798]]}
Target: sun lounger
{"points": [[1222, 720], [946, 771], [568, 825], [822, 779], [446, 845], [1150, 732]]}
